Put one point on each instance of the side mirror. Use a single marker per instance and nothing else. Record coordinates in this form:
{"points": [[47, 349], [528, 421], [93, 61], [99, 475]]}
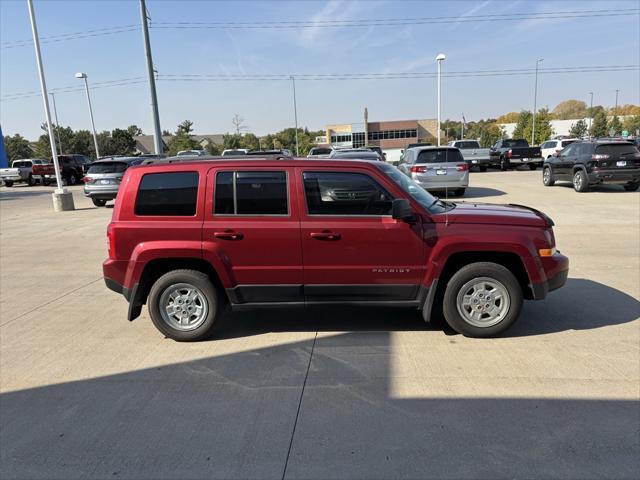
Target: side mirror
{"points": [[401, 210], [555, 154]]}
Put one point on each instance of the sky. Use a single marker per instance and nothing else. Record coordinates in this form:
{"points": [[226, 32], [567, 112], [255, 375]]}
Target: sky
{"points": [[393, 47]]}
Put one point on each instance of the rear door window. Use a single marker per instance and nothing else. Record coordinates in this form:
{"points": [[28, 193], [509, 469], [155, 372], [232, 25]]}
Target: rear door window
{"points": [[345, 193], [251, 193], [167, 194], [439, 156]]}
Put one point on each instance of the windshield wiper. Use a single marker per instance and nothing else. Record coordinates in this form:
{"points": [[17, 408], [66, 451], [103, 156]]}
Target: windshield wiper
{"points": [[434, 202]]}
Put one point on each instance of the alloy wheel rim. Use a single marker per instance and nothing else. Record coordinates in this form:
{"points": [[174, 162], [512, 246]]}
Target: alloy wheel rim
{"points": [[577, 179], [183, 306], [483, 302], [546, 175]]}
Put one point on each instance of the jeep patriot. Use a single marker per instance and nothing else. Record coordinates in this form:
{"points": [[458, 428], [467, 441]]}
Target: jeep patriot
{"points": [[189, 237]]}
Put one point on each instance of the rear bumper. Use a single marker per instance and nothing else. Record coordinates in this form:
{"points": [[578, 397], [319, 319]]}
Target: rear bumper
{"points": [[101, 193], [12, 178], [614, 176], [523, 161], [556, 269], [439, 183]]}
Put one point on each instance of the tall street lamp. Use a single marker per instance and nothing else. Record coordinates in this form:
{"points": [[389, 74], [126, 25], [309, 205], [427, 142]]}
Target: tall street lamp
{"points": [[295, 112], [439, 59], [535, 104], [93, 126], [590, 114], [55, 114]]}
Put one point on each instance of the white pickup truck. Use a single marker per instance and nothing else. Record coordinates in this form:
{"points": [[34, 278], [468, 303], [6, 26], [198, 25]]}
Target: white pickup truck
{"points": [[20, 171], [473, 155]]}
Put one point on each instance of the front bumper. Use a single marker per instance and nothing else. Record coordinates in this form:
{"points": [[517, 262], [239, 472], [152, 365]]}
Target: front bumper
{"points": [[12, 178], [556, 269], [615, 176]]}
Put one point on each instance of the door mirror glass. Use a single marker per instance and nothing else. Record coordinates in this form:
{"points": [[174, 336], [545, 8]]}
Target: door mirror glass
{"points": [[401, 209]]}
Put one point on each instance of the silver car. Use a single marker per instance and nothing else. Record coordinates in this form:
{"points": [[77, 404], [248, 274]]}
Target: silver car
{"points": [[102, 180], [437, 168]]}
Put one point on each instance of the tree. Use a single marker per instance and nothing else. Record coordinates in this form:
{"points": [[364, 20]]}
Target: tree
{"points": [[524, 121], [490, 134], [232, 141], [238, 124], [183, 140], [579, 129], [570, 109], [105, 145], [524, 127], [134, 130], [511, 117], [614, 126], [166, 133], [627, 109], [632, 125], [213, 148], [17, 147], [122, 141], [599, 125]]}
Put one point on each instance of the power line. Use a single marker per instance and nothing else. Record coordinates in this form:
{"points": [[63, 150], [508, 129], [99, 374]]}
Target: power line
{"points": [[336, 77], [98, 32]]}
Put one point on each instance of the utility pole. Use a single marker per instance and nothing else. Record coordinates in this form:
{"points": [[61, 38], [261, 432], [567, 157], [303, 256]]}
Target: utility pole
{"points": [[62, 198], [83, 76], [366, 127], [615, 111], [462, 128], [295, 113], [55, 114], [439, 59], [590, 114], [535, 104], [157, 138]]}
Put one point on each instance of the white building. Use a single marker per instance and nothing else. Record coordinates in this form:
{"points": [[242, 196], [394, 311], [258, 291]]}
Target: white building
{"points": [[560, 127]]}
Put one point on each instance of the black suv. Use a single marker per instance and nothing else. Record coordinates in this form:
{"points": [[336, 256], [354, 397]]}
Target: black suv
{"points": [[594, 162]]}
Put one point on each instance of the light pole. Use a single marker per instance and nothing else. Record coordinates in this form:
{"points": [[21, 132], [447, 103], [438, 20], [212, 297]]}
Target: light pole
{"points": [[62, 198], [295, 112], [93, 126], [55, 114], [535, 104], [439, 59], [157, 138], [590, 114], [615, 110]]}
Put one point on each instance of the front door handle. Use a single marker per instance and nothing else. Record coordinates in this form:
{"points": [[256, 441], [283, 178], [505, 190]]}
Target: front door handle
{"points": [[326, 235], [229, 235]]}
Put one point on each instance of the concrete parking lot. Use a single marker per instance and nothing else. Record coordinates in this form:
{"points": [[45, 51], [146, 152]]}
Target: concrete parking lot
{"points": [[319, 393]]}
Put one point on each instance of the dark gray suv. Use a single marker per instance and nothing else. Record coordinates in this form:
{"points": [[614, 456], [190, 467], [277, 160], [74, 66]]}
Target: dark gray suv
{"points": [[103, 178]]}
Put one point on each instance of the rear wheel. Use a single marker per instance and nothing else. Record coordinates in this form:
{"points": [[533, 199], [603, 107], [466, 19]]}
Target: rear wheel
{"points": [[30, 181], [504, 164], [98, 202], [482, 299], [8, 183], [580, 181], [632, 187], [483, 168], [532, 166], [183, 305], [46, 182], [72, 179], [459, 192], [547, 177]]}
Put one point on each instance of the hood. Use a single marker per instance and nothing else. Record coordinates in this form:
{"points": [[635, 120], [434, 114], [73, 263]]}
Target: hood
{"points": [[487, 213]]}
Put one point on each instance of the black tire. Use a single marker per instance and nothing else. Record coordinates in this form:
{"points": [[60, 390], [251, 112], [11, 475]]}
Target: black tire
{"points": [[580, 181], [459, 192], [504, 164], [631, 187], [483, 168], [468, 273], [30, 181], [46, 182], [532, 166], [72, 179], [197, 279], [8, 183], [548, 180], [98, 202]]}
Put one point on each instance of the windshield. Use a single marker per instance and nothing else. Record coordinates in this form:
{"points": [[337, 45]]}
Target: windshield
{"points": [[108, 167], [320, 151], [419, 194], [467, 145]]}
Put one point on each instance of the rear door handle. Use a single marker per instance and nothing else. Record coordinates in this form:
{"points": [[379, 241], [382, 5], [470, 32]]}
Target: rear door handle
{"points": [[229, 235], [331, 236]]}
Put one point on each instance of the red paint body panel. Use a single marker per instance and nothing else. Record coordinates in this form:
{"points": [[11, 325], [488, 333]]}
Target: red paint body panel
{"points": [[280, 250]]}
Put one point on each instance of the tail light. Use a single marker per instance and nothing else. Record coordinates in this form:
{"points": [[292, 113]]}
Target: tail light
{"points": [[599, 156], [509, 153], [415, 169], [462, 167], [87, 179], [111, 241]]}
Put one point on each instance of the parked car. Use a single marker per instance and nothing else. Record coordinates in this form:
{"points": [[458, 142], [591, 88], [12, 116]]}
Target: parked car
{"points": [[436, 168], [473, 154], [548, 148], [276, 153], [192, 153], [234, 152], [590, 163], [188, 239], [413, 145], [383, 155], [72, 169], [320, 152], [513, 152], [357, 153], [20, 171], [102, 181]]}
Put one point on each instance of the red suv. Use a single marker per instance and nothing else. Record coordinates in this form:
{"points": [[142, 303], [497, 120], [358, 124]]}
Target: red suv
{"points": [[189, 237]]}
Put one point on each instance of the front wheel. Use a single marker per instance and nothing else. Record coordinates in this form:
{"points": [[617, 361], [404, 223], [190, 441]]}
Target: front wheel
{"points": [[631, 187], [580, 181], [483, 168], [547, 177], [482, 299], [183, 305], [8, 183], [72, 179], [98, 202]]}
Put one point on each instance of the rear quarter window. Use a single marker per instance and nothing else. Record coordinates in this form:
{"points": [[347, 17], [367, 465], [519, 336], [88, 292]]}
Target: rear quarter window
{"points": [[167, 194]]}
